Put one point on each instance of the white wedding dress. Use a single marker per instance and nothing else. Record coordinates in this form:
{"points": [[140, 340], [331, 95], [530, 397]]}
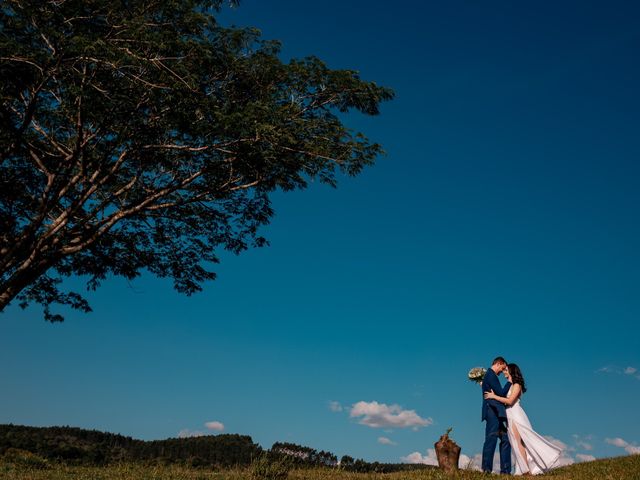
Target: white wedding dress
{"points": [[542, 455]]}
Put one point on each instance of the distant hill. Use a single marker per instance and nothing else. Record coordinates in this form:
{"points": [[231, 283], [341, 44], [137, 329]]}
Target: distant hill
{"points": [[92, 447], [77, 446]]}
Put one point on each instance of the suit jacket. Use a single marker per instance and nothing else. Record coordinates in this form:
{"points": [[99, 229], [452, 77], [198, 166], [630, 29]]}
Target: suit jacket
{"points": [[491, 382]]}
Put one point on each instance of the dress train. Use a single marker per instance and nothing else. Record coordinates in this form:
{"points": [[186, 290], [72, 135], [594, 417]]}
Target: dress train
{"points": [[542, 455]]}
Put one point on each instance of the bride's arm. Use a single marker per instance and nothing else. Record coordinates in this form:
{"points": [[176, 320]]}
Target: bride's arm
{"points": [[508, 401]]}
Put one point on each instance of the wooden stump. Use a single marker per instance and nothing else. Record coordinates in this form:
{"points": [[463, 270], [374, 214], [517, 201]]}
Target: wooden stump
{"points": [[448, 453]]}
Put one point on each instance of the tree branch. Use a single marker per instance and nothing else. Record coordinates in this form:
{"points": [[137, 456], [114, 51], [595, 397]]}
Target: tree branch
{"points": [[114, 218]]}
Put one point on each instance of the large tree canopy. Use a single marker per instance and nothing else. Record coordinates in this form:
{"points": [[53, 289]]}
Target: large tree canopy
{"points": [[142, 135]]}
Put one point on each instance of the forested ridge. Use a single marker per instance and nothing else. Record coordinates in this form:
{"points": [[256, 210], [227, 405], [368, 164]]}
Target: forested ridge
{"points": [[92, 447], [77, 446]]}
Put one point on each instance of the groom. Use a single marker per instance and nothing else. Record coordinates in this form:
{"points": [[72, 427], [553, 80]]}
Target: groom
{"points": [[495, 416]]}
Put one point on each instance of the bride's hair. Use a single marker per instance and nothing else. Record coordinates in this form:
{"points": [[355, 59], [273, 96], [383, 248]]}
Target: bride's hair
{"points": [[516, 376]]}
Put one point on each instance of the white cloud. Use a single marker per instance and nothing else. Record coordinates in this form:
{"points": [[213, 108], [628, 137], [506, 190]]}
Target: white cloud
{"points": [[416, 457], [185, 433], [618, 442], [465, 462], [386, 441], [213, 425], [565, 460], [217, 426], [585, 458], [583, 443], [335, 406], [380, 415], [471, 463], [607, 369], [631, 371], [630, 448]]}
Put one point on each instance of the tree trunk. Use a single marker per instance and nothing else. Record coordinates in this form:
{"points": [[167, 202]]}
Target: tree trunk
{"points": [[19, 281], [448, 453]]}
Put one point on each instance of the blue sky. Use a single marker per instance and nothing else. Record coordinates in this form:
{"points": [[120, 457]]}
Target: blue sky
{"points": [[504, 220]]}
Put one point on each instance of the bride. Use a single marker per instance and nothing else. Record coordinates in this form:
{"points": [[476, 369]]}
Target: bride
{"points": [[533, 453]]}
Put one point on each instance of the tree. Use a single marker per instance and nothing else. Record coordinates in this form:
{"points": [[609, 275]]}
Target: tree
{"points": [[347, 462], [142, 135]]}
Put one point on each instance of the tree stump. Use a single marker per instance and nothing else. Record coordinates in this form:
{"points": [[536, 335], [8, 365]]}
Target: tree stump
{"points": [[448, 453]]}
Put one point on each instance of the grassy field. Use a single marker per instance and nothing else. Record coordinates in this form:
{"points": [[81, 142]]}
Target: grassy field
{"points": [[608, 469]]}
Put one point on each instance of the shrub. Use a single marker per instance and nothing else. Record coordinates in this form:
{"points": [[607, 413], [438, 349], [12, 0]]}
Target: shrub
{"points": [[24, 458], [267, 467]]}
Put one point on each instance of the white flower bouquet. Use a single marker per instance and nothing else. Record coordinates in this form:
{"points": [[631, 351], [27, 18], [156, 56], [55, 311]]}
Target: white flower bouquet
{"points": [[476, 374]]}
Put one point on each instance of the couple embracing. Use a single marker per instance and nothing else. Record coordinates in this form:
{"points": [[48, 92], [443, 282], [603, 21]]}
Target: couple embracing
{"points": [[507, 421]]}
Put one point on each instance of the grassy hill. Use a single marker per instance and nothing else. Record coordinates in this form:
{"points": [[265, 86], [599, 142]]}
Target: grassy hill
{"points": [[18, 467]]}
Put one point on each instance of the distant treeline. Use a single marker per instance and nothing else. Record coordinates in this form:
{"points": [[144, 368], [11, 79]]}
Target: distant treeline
{"points": [[305, 456], [91, 447]]}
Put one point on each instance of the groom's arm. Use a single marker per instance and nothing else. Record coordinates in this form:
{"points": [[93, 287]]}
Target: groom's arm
{"points": [[505, 390], [492, 383]]}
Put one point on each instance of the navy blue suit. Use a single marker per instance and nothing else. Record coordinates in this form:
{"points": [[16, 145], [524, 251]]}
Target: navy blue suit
{"points": [[494, 414]]}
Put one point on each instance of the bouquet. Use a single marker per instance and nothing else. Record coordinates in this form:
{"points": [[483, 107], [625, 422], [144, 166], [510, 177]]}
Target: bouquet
{"points": [[476, 374]]}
